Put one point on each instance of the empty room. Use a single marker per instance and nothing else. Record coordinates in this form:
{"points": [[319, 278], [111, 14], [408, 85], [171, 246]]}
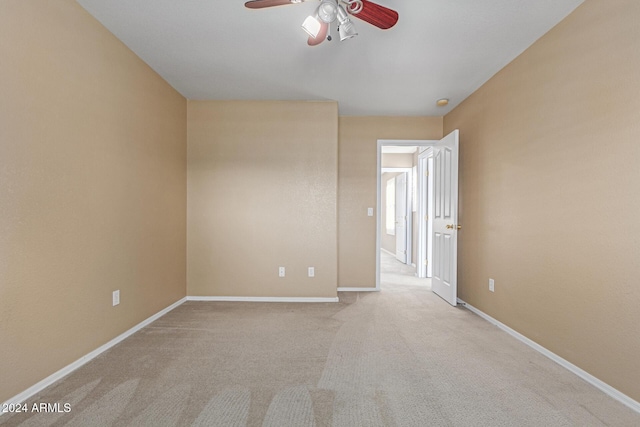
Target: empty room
{"points": [[319, 213]]}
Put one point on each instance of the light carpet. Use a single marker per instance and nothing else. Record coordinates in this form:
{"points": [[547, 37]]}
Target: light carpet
{"points": [[399, 357]]}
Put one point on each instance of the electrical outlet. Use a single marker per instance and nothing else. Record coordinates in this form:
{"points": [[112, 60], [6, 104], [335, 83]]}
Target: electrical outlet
{"points": [[115, 297], [492, 285], [369, 211], [281, 271], [312, 272]]}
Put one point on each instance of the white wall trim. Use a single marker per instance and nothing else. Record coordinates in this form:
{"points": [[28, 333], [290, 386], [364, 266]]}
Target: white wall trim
{"points": [[36, 388], [392, 170], [388, 251], [358, 290], [601, 385], [264, 299]]}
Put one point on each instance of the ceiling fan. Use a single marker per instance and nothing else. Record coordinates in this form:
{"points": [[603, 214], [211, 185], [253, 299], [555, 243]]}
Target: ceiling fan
{"points": [[330, 11]]}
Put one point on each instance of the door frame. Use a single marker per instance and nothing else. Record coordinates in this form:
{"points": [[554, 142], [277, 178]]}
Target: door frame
{"points": [[380, 144]]}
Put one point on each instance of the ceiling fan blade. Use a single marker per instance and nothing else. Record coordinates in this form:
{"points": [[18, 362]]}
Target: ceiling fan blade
{"points": [[259, 4], [322, 35], [380, 16]]}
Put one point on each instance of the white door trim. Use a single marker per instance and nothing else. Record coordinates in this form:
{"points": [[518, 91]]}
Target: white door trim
{"points": [[393, 142]]}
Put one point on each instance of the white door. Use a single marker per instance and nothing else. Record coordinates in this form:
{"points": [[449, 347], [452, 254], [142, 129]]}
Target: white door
{"points": [[401, 217], [445, 218]]}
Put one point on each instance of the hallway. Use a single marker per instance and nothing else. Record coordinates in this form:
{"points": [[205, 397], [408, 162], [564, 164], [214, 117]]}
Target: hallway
{"points": [[393, 272]]}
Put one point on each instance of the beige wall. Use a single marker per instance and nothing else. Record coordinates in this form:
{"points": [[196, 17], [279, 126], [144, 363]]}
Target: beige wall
{"points": [[550, 192], [393, 160], [262, 192], [357, 188], [93, 192], [92, 189]]}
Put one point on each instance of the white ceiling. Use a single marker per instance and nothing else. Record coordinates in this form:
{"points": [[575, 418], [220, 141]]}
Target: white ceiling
{"points": [[215, 49]]}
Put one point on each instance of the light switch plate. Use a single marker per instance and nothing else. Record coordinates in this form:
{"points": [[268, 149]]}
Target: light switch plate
{"points": [[369, 211]]}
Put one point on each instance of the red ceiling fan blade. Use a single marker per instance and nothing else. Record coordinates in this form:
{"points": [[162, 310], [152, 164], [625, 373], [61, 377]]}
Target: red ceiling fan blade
{"points": [[380, 16], [259, 4], [322, 35]]}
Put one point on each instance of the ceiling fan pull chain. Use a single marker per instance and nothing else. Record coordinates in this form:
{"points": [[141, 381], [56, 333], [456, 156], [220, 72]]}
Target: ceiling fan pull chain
{"points": [[354, 6]]}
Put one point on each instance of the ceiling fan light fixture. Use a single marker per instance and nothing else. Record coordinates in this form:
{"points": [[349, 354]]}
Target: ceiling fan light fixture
{"points": [[311, 26], [346, 29], [328, 11]]}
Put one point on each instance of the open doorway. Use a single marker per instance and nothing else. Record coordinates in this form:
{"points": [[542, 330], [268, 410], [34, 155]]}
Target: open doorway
{"points": [[403, 236], [396, 214]]}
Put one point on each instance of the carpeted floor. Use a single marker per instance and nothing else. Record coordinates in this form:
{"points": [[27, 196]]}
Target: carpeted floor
{"points": [[400, 357]]}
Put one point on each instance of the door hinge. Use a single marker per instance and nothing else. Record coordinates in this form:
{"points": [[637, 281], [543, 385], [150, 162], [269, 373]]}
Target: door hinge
{"points": [[426, 262], [426, 173], [426, 217]]}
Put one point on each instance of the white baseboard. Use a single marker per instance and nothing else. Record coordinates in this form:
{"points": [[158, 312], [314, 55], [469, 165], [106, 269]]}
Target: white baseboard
{"points": [[264, 299], [36, 388], [358, 290], [389, 252], [601, 385]]}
